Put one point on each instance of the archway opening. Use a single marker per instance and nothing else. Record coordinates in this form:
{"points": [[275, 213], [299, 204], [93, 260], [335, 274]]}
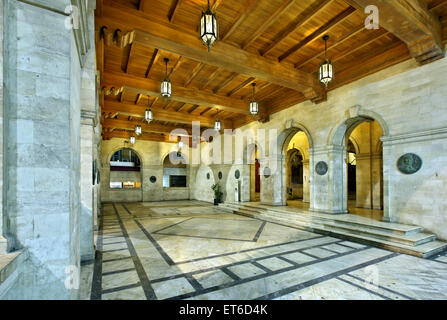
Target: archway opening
{"points": [[255, 175], [297, 182], [364, 159], [125, 170], [175, 171]]}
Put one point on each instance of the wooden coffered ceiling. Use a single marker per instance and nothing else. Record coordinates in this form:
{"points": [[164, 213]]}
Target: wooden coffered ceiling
{"points": [[275, 43]]}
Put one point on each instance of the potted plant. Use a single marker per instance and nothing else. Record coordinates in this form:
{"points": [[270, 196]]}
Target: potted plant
{"points": [[217, 194]]}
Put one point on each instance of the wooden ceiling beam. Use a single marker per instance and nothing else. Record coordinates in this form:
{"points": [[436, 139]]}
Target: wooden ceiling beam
{"points": [[267, 23], [194, 74], [216, 5], [309, 14], [150, 87], [145, 136], [240, 86], [225, 82], [159, 114], [211, 78], [145, 127], [161, 35], [175, 67], [319, 33], [154, 59], [174, 9], [413, 23]]}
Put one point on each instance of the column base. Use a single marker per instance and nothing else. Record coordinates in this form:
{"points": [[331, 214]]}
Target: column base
{"points": [[335, 212], [87, 258]]}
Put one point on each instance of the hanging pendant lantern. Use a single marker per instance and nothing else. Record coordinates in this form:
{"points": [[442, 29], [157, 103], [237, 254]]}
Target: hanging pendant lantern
{"points": [[138, 130], [132, 140], [326, 68], [217, 125], [148, 115], [180, 145], [166, 86], [254, 105], [208, 27]]}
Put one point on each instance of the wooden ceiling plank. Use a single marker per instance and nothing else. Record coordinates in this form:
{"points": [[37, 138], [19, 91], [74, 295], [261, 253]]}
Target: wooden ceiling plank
{"points": [[174, 10], [240, 86], [176, 66], [225, 82], [211, 78], [165, 37], [242, 17], [154, 59], [194, 74], [319, 33], [340, 41], [216, 5], [267, 23], [413, 23], [309, 15]]}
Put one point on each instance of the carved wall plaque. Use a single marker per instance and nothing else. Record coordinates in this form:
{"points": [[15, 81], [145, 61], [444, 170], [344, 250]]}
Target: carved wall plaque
{"points": [[321, 168], [237, 174], [409, 163], [153, 179]]}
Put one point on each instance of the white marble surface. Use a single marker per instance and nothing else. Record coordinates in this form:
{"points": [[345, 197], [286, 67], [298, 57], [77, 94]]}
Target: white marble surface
{"points": [[281, 263]]}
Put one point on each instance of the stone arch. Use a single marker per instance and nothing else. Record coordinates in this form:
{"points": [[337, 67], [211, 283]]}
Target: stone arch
{"points": [[114, 150], [287, 134], [355, 144], [353, 117], [283, 140], [167, 153]]}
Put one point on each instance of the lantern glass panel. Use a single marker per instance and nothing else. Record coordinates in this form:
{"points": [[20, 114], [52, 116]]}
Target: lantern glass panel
{"points": [[254, 107], [166, 88]]}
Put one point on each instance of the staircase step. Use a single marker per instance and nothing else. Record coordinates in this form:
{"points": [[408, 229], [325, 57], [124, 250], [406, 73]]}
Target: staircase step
{"points": [[346, 219], [397, 237]]}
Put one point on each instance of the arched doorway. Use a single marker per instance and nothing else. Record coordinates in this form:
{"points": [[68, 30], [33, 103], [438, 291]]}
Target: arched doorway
{"points": [[125, 176], [175, 171], [254, 164], [297, 170], [364, 159]]}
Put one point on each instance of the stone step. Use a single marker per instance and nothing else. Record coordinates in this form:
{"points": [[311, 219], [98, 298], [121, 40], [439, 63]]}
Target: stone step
{"points": [[345, 219], [397, 237], [424, 250], [413, 239]]}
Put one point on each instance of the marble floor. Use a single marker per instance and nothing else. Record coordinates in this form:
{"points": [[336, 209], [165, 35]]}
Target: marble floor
{"points": [[193, 250]]}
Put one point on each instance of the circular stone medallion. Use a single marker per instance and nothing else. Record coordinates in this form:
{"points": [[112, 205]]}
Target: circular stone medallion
{"points": [[153, 179], [409, 163], [321, 168], [267, 172], [208, 176], [220, 175], [237, 174]]}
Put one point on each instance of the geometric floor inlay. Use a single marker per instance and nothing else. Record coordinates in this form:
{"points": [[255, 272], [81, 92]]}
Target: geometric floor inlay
{"points": [[194, 250]]}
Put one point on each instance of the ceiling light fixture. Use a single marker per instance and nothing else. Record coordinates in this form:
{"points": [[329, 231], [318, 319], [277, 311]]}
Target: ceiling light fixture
{"points": [[148, 115], [208, 27], [326, 68], [217, 125], [254, 105], [138, 130], [166, 86]]}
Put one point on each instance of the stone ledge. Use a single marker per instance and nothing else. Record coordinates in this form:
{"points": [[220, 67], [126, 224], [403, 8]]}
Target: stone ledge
{"points": [[9, 269]]}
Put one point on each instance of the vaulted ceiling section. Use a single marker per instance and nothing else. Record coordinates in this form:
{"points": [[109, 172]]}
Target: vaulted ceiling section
{"points": [[275, 43]]}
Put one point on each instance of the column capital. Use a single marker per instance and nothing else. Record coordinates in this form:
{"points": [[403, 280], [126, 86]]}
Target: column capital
{"points": [[88, 117]]}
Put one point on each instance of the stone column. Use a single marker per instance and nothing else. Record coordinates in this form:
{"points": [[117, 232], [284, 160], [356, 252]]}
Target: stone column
{"points": [[306, 181], [273, 188], [3, 244], [87, 201], [42, 104], [329, 191]]}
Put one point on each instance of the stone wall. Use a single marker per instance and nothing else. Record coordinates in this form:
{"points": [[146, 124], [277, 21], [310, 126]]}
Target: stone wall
{"points": [[152, 155], [42, 163]]}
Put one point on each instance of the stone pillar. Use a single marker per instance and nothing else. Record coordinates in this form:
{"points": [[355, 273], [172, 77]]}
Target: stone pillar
{"points": [[87, 201], [329, 191], [306, 181], [3, 244], [42, 103], [273, 188]]}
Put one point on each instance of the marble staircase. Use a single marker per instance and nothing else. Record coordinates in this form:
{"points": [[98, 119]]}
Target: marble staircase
{"points": [[392, 236]]}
